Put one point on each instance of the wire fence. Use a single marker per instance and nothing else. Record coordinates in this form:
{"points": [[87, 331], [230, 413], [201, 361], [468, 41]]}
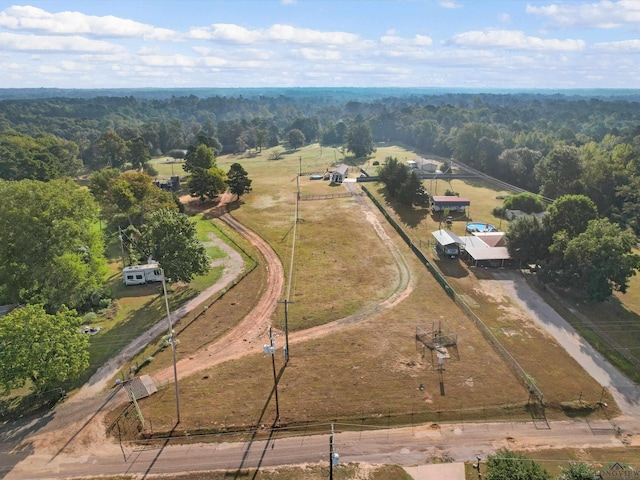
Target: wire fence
{"points": [[526, 379]]}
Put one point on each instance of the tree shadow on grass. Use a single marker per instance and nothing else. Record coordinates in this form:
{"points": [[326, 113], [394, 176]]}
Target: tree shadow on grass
{"points": [[451, 267], [409, 216], [254, 435]]}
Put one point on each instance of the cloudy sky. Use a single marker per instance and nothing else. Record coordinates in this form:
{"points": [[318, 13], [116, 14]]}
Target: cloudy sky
{"points": [[320, 43]]}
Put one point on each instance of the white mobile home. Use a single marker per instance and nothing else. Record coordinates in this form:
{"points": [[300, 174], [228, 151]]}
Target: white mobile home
{"points": [[140, 274]]}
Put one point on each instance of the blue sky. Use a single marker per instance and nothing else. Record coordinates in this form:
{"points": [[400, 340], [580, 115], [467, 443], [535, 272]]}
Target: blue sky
{"points": [[320, 43]]}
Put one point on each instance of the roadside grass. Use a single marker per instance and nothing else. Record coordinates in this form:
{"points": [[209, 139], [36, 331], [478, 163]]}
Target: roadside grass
{"points": [[344, 471], [554, 460], [369, 373]]}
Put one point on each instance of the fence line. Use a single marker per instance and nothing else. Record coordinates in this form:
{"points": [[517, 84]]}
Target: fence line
{"points": [[325, 196], [526, 379]]}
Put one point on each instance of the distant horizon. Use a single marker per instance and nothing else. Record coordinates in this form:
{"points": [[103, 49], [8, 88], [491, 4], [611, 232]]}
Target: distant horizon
{"points": [[16, 93], [472, 44]]}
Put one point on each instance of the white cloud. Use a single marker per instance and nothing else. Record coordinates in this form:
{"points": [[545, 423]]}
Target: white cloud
{"points": [[316, 55], [168, 60], [605, 14], [623, 46], [233, 33], [72, 66], [418, 40], [504, 17], [449, 4], [280, 33], [48, 43], [513, 40], [289, 2], [68, 23]]}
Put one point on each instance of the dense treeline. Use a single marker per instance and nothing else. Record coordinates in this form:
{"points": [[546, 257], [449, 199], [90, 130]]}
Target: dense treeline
{"points": [[550, 144], [424, 121]]}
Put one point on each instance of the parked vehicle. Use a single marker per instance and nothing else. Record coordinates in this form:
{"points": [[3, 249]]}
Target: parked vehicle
{"points": [[141, 274]]}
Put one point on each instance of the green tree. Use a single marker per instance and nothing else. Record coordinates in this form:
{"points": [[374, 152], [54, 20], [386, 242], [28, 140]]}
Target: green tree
{"points": [[100, 182], [408, 191], [261, 138], [125, 198], [571, 213], [43, 158], [599, 260], [508, 465], [50, 251], [559, 172], [628, 197], [393, 174], [578, 471], [207, 183], [528, 240], [526, 202], [42, 348], [171, 238], [138, 153], [202, 157], [110, 150], [296, 138], [238, 180], [520, 164], [360, 140], [476, 143]]}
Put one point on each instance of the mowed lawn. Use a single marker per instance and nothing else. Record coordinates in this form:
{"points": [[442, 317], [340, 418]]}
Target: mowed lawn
{"points": [[372, 372]]}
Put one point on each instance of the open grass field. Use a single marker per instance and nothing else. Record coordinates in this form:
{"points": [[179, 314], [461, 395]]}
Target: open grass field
{"points": [[370, 372]]}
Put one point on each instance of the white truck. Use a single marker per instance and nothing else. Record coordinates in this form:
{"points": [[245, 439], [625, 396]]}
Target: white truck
{"points": [[141, 274]]}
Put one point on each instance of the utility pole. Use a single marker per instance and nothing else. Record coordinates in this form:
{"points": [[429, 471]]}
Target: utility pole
{"points": [[121, 245], [333, 456], [286, 328], [173, 344], [271, 348], [476, 466]]}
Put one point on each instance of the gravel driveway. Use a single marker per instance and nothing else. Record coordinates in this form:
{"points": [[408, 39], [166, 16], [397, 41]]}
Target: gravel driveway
{"points": [[625, 392]]}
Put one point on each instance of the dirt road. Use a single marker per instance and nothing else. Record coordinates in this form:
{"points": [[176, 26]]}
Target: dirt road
{"points": [[625, 392], [249, 335]]}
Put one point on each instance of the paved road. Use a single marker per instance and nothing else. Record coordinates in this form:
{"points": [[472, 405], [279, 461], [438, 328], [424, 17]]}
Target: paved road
{"points": [[406, 446]]}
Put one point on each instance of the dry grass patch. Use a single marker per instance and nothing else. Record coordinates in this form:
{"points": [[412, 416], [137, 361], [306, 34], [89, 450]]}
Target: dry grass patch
{"points": [[348, 471], [368, 373]]}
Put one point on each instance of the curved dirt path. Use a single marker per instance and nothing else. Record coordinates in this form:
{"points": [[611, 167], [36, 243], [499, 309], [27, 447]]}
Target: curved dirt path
{"points": [[251, 334], [401, 291], [245, 337]]}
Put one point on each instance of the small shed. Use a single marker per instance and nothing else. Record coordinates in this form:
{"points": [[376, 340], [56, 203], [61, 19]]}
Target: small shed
{"points": [[447, 243], [455, 204], [412, 164], [339, 174]]}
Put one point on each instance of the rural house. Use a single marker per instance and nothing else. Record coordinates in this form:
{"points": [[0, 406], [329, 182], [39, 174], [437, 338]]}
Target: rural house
{"points": [[339, 174]]}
